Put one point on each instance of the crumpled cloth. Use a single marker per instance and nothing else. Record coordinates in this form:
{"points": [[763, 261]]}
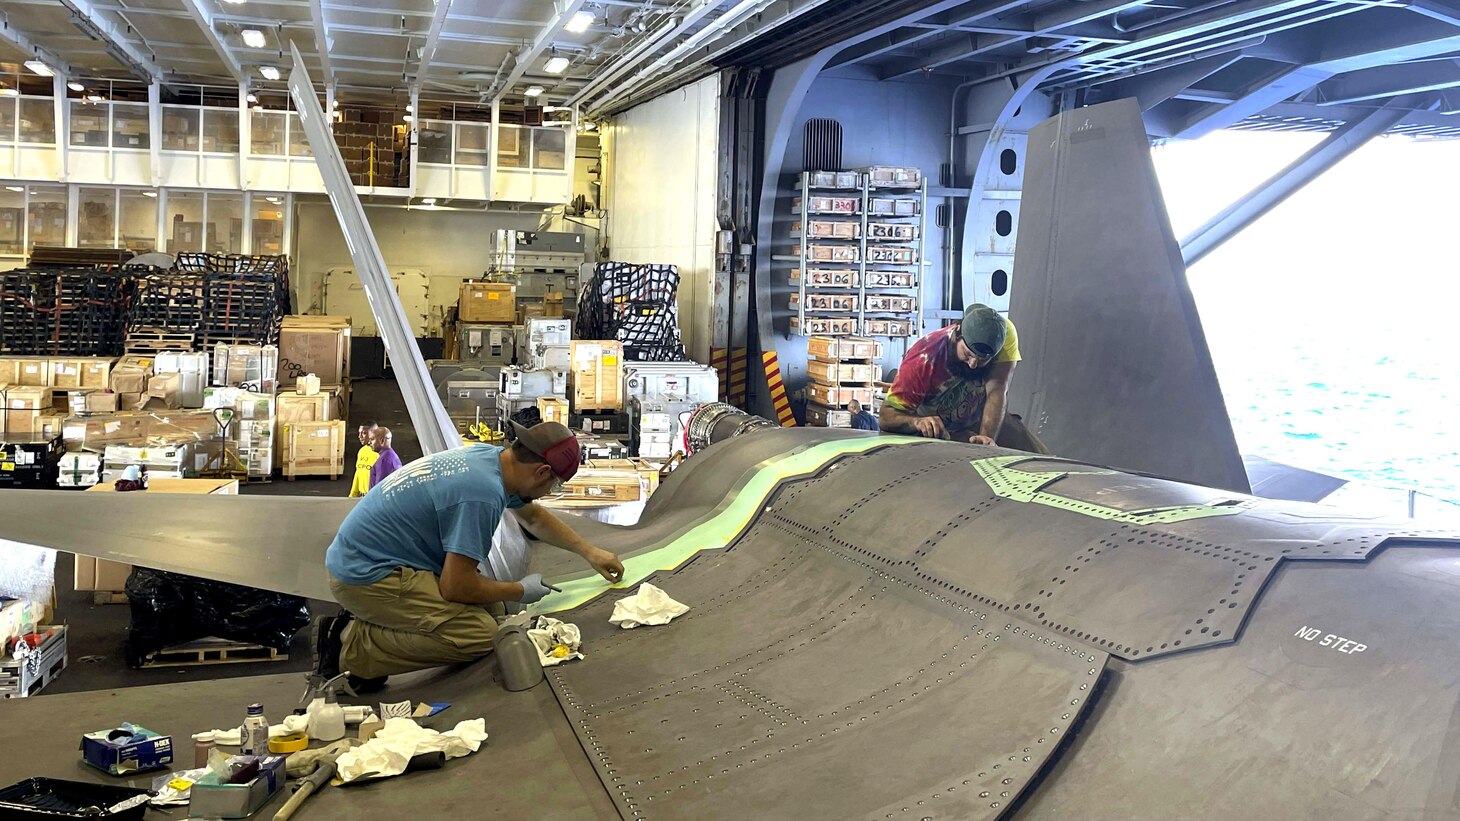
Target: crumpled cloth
{"points": [[648, 606], [391, 749], [547, 633], [234, 737]]}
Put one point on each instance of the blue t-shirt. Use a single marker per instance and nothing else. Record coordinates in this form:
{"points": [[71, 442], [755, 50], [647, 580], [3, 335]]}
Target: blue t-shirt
{"points": [[448, 502]]}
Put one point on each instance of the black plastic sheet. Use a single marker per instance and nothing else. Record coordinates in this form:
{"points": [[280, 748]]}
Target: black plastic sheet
{"points": [[170, 609]]}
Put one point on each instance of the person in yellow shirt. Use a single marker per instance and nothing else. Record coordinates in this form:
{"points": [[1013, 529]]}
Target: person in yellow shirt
{"points": [[364, 461], [953, 383]]}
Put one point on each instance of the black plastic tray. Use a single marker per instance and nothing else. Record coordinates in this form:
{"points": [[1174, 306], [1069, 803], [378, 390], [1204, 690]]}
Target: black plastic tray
{"points": [[53, 798]]}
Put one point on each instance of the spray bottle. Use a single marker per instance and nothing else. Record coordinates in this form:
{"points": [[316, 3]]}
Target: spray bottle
{"points": [[326, 716]]}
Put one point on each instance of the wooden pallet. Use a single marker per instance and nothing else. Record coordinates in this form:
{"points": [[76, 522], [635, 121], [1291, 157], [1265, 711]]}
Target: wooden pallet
{"points": [[212, 651], [109, 597], [151, 343]]}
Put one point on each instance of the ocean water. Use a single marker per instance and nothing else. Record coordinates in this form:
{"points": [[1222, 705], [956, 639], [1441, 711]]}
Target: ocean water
{"points": [[1333, 321]]}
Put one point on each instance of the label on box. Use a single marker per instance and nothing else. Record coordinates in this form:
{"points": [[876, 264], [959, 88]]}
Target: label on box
{"points": [[17, 405], [494, 295], [609, 359]]}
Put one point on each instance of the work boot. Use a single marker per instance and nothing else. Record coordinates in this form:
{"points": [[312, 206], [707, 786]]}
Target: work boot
{"points": [[328, 631], [366, 686]]}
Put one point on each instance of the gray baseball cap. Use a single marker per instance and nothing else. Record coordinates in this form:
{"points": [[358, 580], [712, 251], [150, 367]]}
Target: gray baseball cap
{"points": [[982, 329]]}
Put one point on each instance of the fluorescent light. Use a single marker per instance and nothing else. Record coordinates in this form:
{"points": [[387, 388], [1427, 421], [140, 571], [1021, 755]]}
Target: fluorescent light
{"points": [[274, 200], [410, 108], [234, 2], [428, 201], [269, 72], [532, 91], [39, 68], [152, 194], [75, 86], [408, 118], [579, 22], [253, 38], [9, 92], [252, 98], [16, 188], [334, 103], [556, 65], [94, 98]]}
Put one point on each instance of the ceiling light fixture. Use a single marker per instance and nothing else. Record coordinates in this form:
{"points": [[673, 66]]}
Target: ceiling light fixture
{"points": [[152, 194], [9, 92], [39, 68], [19, 189], [252, 98], [580, 22], [556, 65], [532, 91], [269, 72], [410, 108], [253, 38], [408, 118], [94, 98], [274, 200], [75, 86], [234, 2]]}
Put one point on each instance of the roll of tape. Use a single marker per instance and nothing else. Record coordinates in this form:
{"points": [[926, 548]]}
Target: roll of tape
{"points": [[291, 743]]}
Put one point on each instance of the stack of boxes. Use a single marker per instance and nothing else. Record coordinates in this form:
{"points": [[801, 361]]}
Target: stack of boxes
{"points": [[840, 369], [313, 395], [371, 142]]}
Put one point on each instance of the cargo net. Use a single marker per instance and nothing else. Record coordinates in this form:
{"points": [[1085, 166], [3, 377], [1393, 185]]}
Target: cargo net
{"points": [[240, 300], [634, 304], [65, 312]]}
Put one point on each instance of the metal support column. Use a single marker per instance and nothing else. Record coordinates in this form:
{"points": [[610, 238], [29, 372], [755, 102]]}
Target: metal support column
{"points": [[1288, 181], [742, 114]]}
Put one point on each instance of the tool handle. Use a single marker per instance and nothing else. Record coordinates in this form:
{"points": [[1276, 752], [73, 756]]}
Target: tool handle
{"points": [[295, 801]]}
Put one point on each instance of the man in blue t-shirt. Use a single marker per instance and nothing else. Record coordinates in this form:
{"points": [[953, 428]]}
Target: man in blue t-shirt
{"points": [[404, 563]]}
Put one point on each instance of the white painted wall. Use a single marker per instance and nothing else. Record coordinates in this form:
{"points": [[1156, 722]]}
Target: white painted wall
{"points": [[448, 245], [660, 162]]}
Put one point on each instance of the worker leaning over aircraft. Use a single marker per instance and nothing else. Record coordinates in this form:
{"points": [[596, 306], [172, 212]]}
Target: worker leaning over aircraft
{"points": [[404, 563], [954, 382]]}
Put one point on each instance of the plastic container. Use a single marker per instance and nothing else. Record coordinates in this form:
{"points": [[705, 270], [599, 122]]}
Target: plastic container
{"points": [[255, 732]]}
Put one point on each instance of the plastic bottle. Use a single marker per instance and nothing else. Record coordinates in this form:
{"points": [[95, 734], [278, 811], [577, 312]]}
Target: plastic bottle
{"points": [[517, 655], [201, 750], [255, 731], [326, 716]]}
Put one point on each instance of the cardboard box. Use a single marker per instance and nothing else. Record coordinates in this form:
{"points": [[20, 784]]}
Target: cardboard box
{"points": [[167, 388], [488, 302], [97, 431], [102, 401], [552, 304], [314, 344], [152, 752], [596, 378], [17, 618], [128, 379], [102, 575]]}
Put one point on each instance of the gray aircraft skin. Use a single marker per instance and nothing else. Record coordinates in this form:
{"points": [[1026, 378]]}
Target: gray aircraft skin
{"points": [[884, 627]]}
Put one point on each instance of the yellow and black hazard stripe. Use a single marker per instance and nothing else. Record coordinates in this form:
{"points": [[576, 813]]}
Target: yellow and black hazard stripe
{"points": [[736, 393], [720, 360], [779, 399]]}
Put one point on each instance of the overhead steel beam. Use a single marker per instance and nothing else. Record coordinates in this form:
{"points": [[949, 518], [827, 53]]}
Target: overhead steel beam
{"points": [[322, 44], [1151, 89], [904, 37], [1288, 181], [433, 38], [666, 33], [85, 16], [564, 11], [1389, 81], [1280, 84], [433, 427], [16, 38], [1041, 25], [203, 16]]}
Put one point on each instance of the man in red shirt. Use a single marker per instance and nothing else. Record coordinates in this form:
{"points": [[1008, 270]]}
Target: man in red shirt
{"points": [[953, 383]]}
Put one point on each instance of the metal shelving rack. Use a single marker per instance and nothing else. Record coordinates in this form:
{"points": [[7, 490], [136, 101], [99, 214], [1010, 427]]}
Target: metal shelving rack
{"points": [[905, 205]]}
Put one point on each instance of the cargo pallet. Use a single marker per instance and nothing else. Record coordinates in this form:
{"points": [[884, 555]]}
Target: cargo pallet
{"points": [[150, 342], [205, 652], [21, 679], [109, 597]]}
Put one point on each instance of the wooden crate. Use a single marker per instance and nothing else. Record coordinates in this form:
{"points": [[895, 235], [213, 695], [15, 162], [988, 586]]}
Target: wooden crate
{"points": [[828, 278], [892, 304], [890, 255], [314, 449], [832, 372], [899, 231], [823, 417], [488, 302], [293, 407], [890, 327], [604, 484], [832, 253], [314, 344], [553, 409], [825, 326], [843, 349], [827, 205], [597, 375], [891, 279], [152, 342], [838, 303], [22, 407], [827, 229], [26, 371], [839, 396]]}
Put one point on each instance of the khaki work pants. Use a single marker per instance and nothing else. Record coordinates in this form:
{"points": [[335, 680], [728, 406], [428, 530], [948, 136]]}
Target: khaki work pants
{"points": [[402, 624]]}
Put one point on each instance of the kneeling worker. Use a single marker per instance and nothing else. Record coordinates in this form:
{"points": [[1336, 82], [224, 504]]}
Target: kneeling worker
{"points": [[404, 563], [953, 382]]}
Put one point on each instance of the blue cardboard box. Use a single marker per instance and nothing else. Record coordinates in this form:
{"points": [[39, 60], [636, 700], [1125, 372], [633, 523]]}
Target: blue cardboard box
{"points": [[127, 749]]}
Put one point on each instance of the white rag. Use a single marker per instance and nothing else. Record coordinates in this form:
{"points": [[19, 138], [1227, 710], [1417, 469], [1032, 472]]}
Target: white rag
{"points": [[391, 749], [234, 737], [547, 632], [648, 606]]}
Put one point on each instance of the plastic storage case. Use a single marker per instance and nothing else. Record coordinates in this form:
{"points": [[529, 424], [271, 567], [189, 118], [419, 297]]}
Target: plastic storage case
{"points": [[53, 798]]}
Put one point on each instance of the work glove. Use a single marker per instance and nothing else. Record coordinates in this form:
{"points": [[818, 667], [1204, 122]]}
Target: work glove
{"points": [[533, 588]]}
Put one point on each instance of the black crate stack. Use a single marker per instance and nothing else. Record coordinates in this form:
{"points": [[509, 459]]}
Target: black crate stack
{"points": [[65, 311], [244, 298], [634, 304]]}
